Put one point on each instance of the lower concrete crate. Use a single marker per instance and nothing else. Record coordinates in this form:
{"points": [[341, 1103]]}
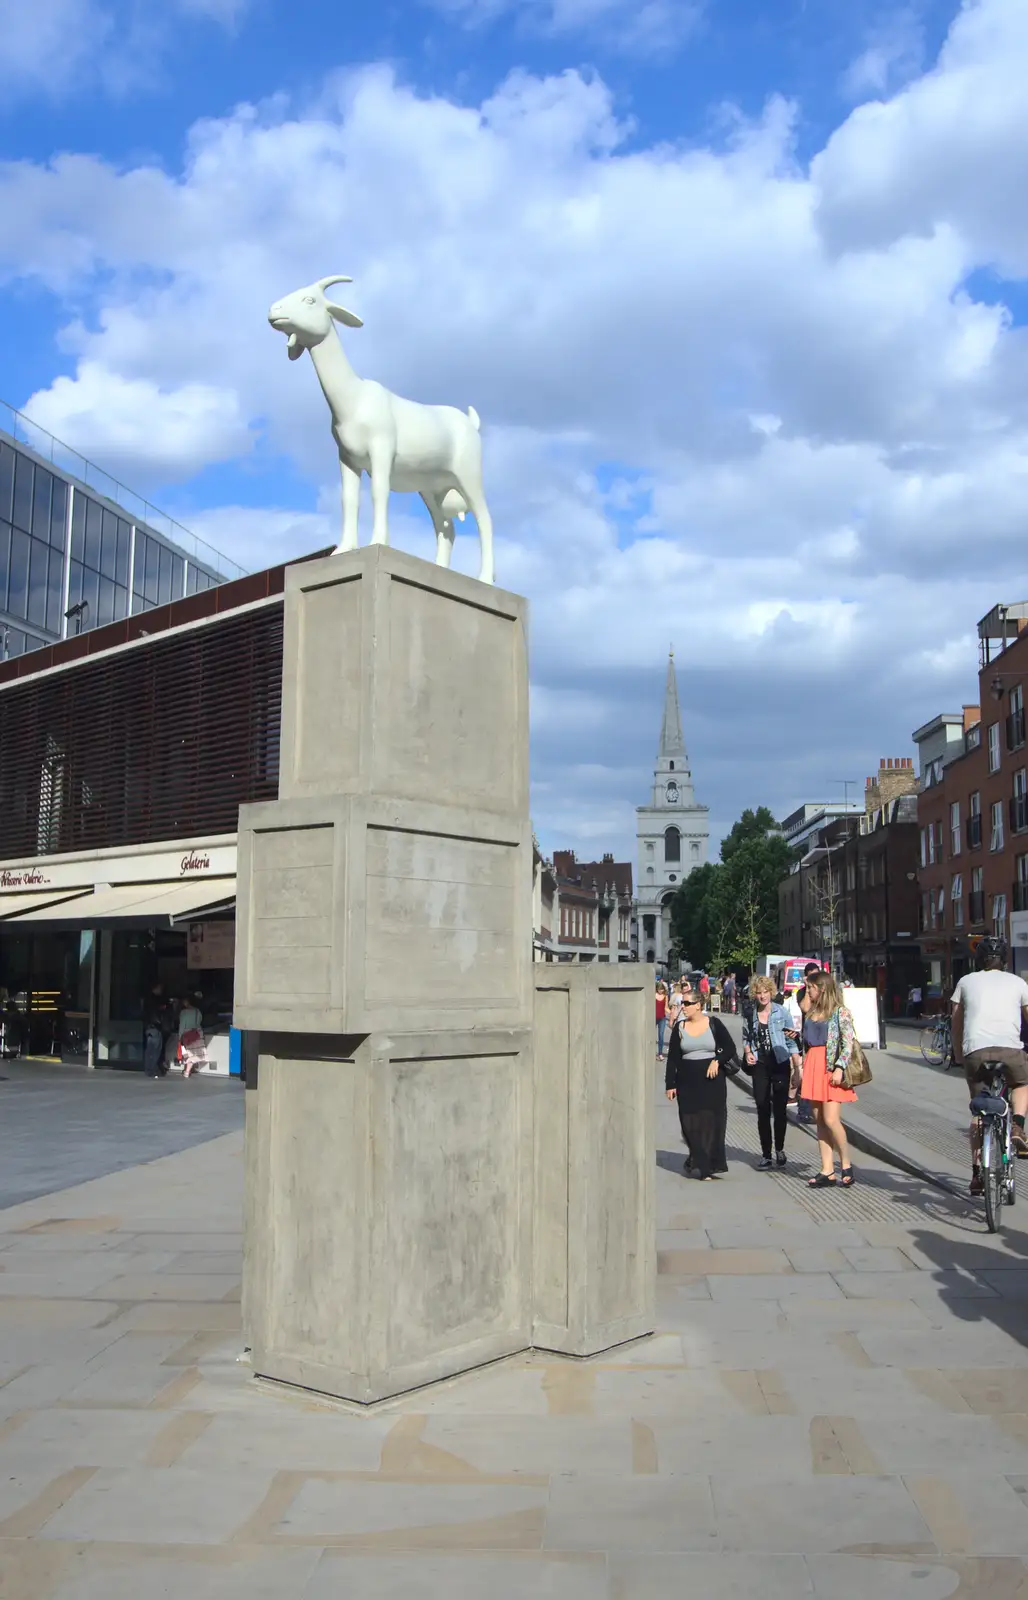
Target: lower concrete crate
{"points": [[388, 1229]]}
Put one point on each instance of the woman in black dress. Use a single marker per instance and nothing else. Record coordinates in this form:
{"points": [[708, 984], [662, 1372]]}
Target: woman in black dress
{"points": [[701, 1054]]}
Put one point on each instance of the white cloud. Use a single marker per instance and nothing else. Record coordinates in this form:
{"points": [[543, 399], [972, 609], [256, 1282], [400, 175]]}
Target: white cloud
{"points": [[892, 54], [949, 152], [728, 401], [135, 424], [43, 45], [640, 27], [59, 47]]}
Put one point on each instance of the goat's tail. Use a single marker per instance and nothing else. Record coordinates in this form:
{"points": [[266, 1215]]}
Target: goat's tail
{"points": [[473, 414]]}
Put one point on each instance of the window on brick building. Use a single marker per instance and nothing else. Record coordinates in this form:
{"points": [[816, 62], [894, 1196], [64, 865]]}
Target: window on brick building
{"points": [[924, 847], [996, 825], [956, 894], [999, 915], [954, 828], [994, 755]]}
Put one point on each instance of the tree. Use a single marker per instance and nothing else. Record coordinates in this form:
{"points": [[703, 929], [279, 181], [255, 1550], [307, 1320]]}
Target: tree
{"points": [[751, 825], [826, 899], [727, 911], [695, 914], [755, 867]]}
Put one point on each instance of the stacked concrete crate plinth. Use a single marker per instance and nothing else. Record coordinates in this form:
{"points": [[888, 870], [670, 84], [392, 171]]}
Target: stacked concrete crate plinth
{"points": [[594, 1255], [384, 956]]}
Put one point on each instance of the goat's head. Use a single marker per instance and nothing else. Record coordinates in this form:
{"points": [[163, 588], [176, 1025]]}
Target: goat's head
{"points": [[306, 315]]}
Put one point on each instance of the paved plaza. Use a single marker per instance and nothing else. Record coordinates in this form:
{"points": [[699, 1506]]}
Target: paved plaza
{"points": [[835, 1404], [61, 1126]]}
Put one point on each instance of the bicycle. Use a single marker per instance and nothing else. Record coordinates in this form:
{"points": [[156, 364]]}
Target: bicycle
{"points": [[937, 1042], [993, 1137]]}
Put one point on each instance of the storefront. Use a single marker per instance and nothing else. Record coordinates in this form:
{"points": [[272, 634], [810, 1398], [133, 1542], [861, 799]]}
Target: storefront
{"points": [[1019, 942], [84, 940]]}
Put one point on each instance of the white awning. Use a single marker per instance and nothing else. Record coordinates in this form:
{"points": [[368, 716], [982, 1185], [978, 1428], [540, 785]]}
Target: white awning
{"points": [[142, 904], [14, 905]]}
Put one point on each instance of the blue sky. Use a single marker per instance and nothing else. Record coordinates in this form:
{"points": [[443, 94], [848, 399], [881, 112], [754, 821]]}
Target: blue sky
{"points": [[738, 290]]}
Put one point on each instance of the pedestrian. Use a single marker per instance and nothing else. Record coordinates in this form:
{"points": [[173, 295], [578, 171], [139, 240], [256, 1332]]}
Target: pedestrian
{"points": [[701, 1053], [773, 1060], [154, 1007], [829, 1037], [729, 992], [661, 1017], [704, 991], [914, 1000], [192, 1043], [798, 1010]]}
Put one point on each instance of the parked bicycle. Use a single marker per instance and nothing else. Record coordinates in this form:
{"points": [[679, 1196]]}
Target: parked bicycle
{"points": [[937, 1043], [992, 1134]]}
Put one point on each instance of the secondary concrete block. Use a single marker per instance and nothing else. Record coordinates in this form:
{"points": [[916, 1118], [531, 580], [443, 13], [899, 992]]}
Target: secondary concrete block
{"points": [[594, 1219], [388, 1239], [361, 913], [406, 679]]}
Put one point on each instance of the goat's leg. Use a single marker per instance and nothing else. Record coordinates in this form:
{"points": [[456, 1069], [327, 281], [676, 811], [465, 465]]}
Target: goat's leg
{"points": [[474, 497], [381, 473], [351, 482], [444, 547], [443, 530]]}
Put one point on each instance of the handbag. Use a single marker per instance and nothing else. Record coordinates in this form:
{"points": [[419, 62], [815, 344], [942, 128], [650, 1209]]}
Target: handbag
{"points": [[857, 1070]]}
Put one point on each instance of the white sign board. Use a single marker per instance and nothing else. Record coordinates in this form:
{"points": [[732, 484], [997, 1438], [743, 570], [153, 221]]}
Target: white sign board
{"points": [[864, 1005], [211, 944]]}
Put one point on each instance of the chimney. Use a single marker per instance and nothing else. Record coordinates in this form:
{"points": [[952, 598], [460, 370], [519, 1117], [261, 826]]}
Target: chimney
{"points": [[972, 714], [896, 776]]}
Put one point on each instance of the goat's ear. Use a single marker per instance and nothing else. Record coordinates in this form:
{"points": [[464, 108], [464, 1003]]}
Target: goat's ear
{"points": [[342, 315]]}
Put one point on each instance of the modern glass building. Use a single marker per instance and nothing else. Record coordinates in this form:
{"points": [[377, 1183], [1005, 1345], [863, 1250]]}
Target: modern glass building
{"points": [[78, 550]]}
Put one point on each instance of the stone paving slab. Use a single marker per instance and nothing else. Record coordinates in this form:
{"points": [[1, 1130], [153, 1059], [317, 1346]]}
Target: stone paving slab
{"points": [[835, 1403]]}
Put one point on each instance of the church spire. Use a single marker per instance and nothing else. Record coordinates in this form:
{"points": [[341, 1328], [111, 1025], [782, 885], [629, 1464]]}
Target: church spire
{"points": [[672, 741]]}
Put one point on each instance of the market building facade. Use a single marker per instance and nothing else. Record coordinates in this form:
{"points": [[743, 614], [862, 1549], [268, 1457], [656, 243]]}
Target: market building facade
{"points": [[127, 752]]}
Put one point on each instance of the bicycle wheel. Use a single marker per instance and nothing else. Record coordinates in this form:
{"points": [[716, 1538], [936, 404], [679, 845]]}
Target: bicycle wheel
{"points": [[993, 1178], [932, 1047]]}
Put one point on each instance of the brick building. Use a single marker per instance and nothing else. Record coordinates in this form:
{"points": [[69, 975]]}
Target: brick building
{"points": [[973, 813], [854, 894], [589, 909]]}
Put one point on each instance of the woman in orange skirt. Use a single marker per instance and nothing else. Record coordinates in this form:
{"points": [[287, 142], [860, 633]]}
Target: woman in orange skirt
{"points": [[828, 1035]]}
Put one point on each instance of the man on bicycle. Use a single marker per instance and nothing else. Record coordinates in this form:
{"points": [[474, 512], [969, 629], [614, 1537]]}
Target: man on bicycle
{"points": [[989, 1006]]}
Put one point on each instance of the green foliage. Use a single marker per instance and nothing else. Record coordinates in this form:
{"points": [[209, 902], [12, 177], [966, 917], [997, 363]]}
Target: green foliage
{"points": [[726, 913]]}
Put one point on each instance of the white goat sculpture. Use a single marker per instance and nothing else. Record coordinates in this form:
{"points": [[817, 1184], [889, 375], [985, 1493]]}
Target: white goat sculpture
{"points": [[435, 451]]}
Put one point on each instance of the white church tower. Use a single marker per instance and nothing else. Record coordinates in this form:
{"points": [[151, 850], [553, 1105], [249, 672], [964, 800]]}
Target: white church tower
{"points": [[672, 832]]}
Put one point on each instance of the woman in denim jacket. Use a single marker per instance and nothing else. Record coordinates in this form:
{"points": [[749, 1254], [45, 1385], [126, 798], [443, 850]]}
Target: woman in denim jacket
{"points": [[771, 1056]]}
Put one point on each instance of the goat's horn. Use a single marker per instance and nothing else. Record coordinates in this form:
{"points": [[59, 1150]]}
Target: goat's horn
{"points": [[324, 283]]}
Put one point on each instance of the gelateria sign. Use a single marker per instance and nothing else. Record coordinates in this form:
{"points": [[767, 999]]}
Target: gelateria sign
{"points": [[172, 863], [24, 878]]}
